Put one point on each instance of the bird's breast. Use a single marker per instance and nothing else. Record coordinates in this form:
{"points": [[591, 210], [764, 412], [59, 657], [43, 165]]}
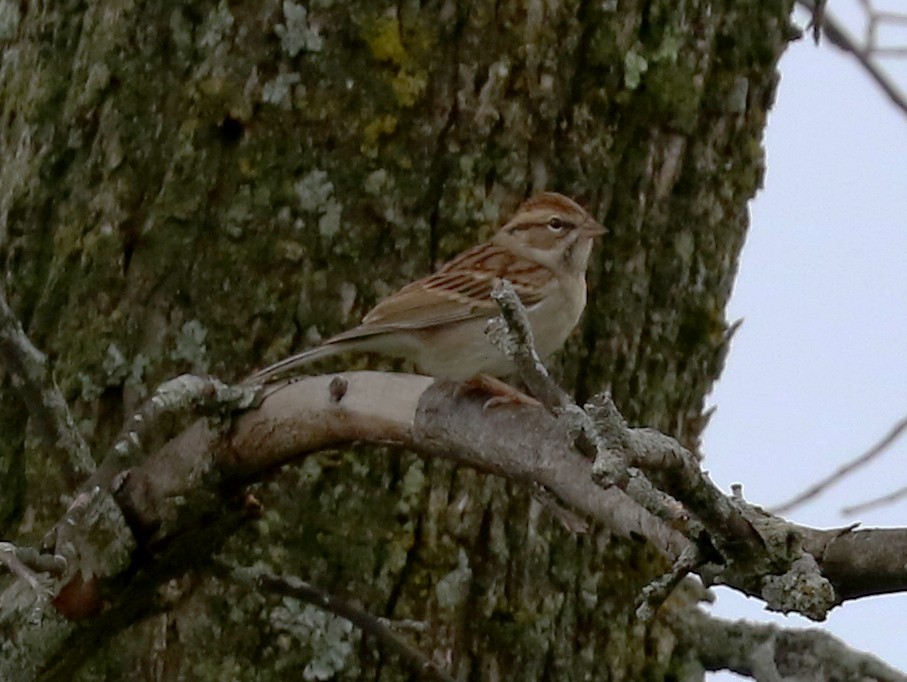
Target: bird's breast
{"points": [[556, 315]]}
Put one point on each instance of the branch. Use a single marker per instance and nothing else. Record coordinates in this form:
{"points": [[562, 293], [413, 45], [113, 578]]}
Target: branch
{"points": [[260, 577], [844, 470], [766, 651], [655, 593], [837, 36], [741, 541], [859, 563], [872, 503], [170, 497], [46, 405], [16, 560], [512, 335], [185, 395]]}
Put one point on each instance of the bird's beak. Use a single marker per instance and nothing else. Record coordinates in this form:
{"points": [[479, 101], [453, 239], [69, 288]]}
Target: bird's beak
{"points": [[591, 228]]}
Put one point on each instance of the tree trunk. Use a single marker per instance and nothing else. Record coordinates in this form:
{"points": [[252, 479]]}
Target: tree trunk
{"points": [[206, 187]]}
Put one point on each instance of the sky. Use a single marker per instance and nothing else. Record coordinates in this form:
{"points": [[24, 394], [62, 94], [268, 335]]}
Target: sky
{"points": [[818, 371]]}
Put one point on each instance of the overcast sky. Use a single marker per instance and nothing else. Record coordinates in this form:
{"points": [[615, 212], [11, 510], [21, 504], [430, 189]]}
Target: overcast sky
{"points": [[818, 371]]}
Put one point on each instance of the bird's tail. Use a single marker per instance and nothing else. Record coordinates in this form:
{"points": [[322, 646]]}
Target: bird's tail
{"points": [[288, 365]]}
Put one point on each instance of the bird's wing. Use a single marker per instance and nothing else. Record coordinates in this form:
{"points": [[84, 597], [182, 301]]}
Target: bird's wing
{"points": [[461, 290]]}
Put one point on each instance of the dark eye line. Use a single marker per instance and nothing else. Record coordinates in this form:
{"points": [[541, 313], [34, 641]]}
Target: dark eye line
{"points": [[558, 223]]}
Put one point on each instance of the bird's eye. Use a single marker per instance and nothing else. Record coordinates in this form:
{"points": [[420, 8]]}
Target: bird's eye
{"points": [[558, 224]]}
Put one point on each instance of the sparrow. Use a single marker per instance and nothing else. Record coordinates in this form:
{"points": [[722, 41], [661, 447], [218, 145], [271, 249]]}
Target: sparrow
{"points": [[438, 322]]}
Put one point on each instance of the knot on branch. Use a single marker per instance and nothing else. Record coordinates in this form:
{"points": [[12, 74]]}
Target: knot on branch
{"points": [[802, 589], [608, 433]]}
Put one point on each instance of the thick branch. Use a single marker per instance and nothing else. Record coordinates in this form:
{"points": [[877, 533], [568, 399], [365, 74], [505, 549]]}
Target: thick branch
{"points": [[410, 411]]}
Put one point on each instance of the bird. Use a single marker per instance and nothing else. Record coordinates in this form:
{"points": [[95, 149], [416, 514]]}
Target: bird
{"points": [[438, 322]]}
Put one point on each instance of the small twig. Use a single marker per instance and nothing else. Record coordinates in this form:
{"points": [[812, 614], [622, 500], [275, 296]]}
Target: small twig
{"points": [[817, 19], [46, 405], [570, 520], [731, 533], [52, 564], [609, 467], [611, 428], [186, 394], [675, 470], [93, 514], [880, 501], [512, 334], [9, 557], [844, 470], [656, 592], [660, 504], [258, 576], [838, 37]]}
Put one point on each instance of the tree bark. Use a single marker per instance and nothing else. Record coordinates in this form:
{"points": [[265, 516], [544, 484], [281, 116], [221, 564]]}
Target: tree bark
{"points": [[207, 186]]}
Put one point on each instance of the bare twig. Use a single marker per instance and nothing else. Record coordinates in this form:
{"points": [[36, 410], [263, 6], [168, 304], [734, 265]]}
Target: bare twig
{"points": [[46, 405], [185, 395], [615, 446], [260, 577], [817, 19], [844, 470], [654, 594], [52, 564], [881, 501], [833, 30], [660, 504], [512, 334], [9, 557]]}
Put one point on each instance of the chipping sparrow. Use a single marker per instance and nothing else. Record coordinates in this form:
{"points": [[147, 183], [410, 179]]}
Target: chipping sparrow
{"points": [[439, 322]]}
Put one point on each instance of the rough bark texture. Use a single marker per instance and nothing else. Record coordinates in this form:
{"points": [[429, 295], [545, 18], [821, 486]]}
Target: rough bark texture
{"points": [[207, 186]]}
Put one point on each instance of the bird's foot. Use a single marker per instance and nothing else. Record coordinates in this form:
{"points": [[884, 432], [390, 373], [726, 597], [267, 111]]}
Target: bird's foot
{"points": [[502, 393]]}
